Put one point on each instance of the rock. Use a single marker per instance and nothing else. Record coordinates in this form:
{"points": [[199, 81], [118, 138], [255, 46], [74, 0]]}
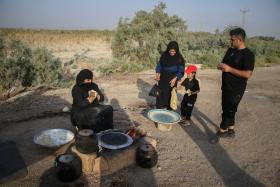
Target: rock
{"points": [[66, 109], [107, 181]]}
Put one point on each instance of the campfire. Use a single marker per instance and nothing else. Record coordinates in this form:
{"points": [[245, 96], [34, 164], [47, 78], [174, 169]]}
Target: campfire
{"points": [[135, 132]]}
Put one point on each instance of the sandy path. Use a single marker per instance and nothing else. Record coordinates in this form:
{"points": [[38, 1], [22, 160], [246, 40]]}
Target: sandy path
{"points": [[186, 158]]}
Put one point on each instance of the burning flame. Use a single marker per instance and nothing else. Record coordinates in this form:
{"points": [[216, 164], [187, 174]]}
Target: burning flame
{"points": [[131, 132]]}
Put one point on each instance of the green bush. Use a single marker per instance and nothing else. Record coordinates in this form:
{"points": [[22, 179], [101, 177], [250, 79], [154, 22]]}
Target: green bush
{"points": [[15, 66], [272, 59], [69, 84], [109, 68], [132, 67], [74, 66], [19, 65], [259, 64], [210, 60], [47, 69]]}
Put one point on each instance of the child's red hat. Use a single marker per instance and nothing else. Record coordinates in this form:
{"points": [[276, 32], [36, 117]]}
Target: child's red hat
{"points": [[191, 69]]}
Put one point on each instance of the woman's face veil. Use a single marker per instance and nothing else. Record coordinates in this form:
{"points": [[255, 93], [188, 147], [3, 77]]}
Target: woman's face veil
{"points": [[84, 74]]}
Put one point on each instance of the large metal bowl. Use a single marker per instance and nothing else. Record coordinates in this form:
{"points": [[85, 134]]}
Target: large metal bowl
{"points": [[59, 137]]}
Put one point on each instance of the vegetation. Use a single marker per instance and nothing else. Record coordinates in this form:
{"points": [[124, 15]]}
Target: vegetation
{"points": [[26, 56], [19, 65], [138, 44]]}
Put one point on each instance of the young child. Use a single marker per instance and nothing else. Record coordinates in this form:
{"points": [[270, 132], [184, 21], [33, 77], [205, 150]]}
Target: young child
{"points": [[191, 85]]}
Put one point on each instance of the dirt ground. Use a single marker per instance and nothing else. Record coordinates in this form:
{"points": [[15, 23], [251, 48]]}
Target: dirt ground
{"points": [[186, 158]]}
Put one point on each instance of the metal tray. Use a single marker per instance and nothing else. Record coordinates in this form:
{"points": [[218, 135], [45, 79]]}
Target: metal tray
{"points": [[59, 137], [164, 116], [115, 137]]}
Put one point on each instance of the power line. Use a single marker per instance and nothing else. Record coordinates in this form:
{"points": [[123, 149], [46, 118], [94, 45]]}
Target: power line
{"points": [[224, 17], [244, 3]]}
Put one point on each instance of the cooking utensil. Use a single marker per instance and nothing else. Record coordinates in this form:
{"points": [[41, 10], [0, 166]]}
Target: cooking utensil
{"points": [[114, 140], [59, 137]]}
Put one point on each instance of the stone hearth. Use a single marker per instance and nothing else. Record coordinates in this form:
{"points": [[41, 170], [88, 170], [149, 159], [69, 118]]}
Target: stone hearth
{"points": [[109, 161]]}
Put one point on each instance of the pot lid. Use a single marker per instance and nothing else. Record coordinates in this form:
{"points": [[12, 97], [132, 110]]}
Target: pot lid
{"points": [[147, 148], [66, 158], [114, 140], [85, 132]]}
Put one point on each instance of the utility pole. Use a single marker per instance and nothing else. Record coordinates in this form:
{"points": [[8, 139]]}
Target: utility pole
{"points": [[244, 16], [201, 27]]}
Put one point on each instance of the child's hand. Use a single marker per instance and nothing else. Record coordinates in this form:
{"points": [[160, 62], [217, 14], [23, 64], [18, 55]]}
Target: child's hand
{"points": [[175, 88]]}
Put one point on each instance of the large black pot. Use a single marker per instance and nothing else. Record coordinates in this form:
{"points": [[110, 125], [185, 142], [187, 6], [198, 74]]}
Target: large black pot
{"points": [[146, 156], [68, 168], [86, 141]]}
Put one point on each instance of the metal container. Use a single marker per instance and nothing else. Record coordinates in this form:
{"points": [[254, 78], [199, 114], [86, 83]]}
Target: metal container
{"points": [[146, 156], [59, 137], [68, 168], [86, 141]]}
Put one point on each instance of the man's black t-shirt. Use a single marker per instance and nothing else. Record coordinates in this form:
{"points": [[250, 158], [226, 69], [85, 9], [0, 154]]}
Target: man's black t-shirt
{"points": [[242, 59], [193, 85]]}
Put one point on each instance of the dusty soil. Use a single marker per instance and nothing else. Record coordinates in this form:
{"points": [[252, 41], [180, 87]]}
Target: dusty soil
{"points": [[186, 158]]}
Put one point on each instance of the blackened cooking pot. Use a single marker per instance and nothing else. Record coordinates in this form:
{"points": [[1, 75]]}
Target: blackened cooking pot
{"points": [[146, 156], [68, 168], [86, 141]]}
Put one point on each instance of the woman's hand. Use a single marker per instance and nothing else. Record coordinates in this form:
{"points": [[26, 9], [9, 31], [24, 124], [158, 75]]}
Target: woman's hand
{"points": [[172, 82], [158, 76]]}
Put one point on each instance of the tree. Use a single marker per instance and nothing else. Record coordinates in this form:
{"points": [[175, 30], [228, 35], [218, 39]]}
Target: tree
{"points": [[226, 31], [143, 40]]}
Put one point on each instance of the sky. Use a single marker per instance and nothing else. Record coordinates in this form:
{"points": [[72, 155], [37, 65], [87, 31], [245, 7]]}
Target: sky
{"points": [[262, 18]]}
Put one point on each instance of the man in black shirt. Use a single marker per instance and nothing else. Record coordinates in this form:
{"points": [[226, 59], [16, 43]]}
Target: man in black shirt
{"points": [[237, 66]]}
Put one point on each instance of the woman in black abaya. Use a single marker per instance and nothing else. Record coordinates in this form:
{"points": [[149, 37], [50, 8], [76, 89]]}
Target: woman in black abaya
{"points": [[169, 70], [86, 112]]}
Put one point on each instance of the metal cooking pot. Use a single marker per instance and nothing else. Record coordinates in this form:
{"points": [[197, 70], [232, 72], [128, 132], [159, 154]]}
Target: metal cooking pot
{"points": [[146, 156], [68, 168], [86, 141]]}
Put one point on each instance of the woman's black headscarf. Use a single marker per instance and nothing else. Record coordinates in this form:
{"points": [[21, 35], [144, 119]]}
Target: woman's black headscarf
{"points": [[167, 60], [84, 74]]}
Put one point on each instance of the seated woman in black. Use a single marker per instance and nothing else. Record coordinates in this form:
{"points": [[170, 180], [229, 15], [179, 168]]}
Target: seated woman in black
{"points": [[86, 112]]}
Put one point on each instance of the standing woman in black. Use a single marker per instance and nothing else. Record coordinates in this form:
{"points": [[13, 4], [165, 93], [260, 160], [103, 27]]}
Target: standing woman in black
{"points": [[169, 70]]}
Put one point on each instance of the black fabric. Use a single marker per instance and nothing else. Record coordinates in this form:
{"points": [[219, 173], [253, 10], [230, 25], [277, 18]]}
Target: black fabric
{"points": [[84, 74], [230, 102], [80, 100], [98, 118], [163, 100], [187, 107], [155, 91], [193, 85], [166, 60], [80, 94], [239, 59]]}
